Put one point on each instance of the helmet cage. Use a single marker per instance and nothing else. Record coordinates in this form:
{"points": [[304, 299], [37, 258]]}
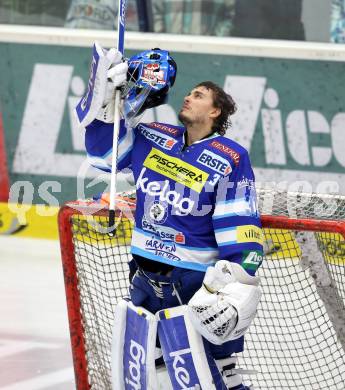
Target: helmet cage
{"points": [[150, 76]]}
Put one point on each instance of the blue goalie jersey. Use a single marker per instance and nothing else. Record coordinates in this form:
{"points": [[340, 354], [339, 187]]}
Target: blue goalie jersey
{"points": [[195, 204]]}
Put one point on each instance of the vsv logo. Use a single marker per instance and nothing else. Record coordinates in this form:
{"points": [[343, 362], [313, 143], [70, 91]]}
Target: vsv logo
{"points": [[138, 357], [180, 370]]}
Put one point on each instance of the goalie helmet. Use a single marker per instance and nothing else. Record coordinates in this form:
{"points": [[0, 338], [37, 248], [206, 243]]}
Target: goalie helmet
{"points": [[150, 76]]}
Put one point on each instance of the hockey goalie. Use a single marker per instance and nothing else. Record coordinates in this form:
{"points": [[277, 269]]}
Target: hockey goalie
{"points": [[197, 240]]}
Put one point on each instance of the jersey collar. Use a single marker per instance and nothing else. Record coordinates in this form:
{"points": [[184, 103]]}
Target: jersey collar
{"points": [[209, 136]]}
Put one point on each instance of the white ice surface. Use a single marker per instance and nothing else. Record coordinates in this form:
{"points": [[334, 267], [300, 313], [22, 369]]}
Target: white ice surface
{"points": [[34, 336]]}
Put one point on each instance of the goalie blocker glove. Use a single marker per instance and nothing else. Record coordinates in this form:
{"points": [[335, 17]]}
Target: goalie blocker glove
{"points": [[225, 306], [107, 72]]}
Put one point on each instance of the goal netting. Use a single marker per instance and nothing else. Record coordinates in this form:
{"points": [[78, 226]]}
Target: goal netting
{"points": [[297, 340]]}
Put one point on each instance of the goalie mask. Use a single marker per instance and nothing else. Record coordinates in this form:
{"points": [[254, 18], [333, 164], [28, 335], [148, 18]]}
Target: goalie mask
{"points": [[150, 76]]}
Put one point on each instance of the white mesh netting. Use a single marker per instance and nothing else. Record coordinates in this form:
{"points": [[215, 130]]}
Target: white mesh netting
{"points": [[297, 339]]}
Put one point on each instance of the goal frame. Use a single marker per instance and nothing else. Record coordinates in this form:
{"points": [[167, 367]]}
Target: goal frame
{"points": [[71, 279]]}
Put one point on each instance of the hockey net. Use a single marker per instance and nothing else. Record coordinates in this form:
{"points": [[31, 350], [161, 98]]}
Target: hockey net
{"points": [[297, 340]]}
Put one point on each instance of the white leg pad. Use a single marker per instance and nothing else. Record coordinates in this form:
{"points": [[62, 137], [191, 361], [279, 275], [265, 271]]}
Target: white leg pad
{"points": [[189, 364], [133, 348]]}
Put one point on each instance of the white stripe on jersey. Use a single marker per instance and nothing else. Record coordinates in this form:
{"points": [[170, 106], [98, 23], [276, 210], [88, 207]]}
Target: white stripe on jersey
{"points": [[98, 162], [152, 246], [226, 236], [125, 144], [231, 208]]}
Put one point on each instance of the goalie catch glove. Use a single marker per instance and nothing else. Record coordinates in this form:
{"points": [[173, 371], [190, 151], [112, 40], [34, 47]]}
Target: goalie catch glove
{"points": [[224, 307], [107, 72]]}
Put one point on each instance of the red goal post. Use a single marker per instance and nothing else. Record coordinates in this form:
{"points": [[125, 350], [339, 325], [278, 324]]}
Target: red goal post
{"points": [[298, 336]]}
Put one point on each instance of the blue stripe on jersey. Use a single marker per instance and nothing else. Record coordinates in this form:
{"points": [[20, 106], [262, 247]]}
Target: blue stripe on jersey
{"points": [[228, 251], [227, 243], [124, 155], [229, 229], [235, 221]]}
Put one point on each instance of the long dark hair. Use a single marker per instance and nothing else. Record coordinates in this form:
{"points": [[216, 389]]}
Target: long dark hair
{"points": [[224, 102]]}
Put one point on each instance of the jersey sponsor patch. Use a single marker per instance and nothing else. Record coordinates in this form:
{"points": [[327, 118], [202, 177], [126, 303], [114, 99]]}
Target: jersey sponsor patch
{"points": [[165, 128], [181, 205], [246, 183], [164, 233], [249, 233], [176, 169], [226, 150], [214, 162], [166, 250], [159, 139], [252, 260]]}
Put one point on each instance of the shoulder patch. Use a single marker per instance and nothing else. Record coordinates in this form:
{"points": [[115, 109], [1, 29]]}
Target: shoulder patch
{"points": [[226, 150], [215, 162], [164, 128], [162, 140]]}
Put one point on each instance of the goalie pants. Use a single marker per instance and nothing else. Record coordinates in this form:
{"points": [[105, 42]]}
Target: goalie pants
{"points": [[156, 292]]}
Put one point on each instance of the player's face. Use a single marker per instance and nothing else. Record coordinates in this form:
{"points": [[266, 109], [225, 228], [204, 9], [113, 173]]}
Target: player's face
{"points": [[198, 107]]}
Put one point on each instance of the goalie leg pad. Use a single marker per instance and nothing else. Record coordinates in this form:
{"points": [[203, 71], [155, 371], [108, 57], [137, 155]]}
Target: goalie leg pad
{"points": [[186, 355], [133, 348]]}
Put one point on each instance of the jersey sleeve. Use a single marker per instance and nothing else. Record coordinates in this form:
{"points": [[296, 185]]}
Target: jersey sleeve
{"points": [[236, 220], [99, 145]]}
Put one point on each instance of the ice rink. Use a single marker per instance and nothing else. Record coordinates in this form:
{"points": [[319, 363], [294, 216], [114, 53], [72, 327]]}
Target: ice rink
{"points": [[34, 337]]}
